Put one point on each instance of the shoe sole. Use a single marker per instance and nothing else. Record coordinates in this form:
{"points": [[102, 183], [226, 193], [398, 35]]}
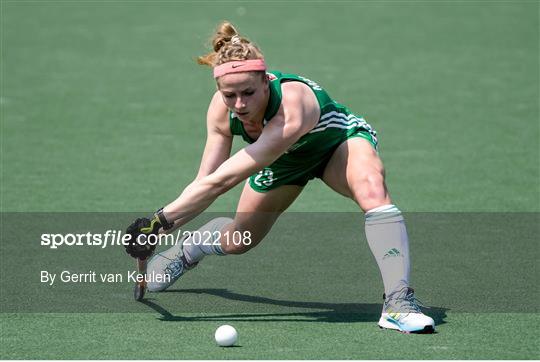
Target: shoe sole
{"points": [[394, 325], [426, 330]]}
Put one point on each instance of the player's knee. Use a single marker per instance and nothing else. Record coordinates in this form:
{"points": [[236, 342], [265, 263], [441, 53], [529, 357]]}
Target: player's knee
{"points": [[239, 241], [369, 189], [237, 247]]}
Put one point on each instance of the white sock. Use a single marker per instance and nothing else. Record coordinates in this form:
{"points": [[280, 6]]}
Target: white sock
{"points": [[206, 240], [387, 238]]}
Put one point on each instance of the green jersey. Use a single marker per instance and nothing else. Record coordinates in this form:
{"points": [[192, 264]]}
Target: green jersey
{"points": [[308, 157]]}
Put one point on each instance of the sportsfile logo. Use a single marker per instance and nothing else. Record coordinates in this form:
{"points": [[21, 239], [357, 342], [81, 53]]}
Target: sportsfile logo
{"points": [[110, 237], [117, 238]]}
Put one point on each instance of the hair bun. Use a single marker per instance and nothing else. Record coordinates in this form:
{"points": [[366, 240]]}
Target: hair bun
{"points": [[226, 34]]}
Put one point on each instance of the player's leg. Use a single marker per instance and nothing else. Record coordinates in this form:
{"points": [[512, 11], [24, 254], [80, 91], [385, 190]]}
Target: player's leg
{"points": [[256, 213], [356, 171]]}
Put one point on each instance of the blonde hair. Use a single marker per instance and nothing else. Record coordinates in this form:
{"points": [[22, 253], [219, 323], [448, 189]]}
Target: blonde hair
{"points": [[228, 45]]}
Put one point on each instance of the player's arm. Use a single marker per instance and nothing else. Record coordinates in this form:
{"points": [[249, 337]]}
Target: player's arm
{"points": [[297, 115], [219, 138], [218, 141]]}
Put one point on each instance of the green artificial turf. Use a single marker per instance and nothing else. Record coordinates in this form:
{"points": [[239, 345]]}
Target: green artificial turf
{"points": [[142, 336]]}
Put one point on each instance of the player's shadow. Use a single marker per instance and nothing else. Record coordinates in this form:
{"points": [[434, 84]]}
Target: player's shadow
{"points": [[326, 312]]}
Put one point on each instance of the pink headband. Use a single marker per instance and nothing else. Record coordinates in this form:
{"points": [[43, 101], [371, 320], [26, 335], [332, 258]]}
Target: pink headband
{"points": [[237, 66]]}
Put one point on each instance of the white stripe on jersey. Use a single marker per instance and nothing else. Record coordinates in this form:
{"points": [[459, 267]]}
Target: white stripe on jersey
{"points": [[335, 113], [341, 120], [335, 125]]}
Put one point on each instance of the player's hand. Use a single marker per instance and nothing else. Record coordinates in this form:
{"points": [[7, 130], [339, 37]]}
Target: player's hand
{"points": [[140, 229]]}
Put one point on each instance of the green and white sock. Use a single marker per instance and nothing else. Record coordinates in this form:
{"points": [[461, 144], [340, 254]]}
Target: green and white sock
{"points": [[387, 238], [194, 247]]}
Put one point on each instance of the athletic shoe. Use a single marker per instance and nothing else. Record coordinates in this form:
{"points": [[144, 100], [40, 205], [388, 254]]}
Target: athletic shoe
{"points": [[171, 264], [402, 312]]}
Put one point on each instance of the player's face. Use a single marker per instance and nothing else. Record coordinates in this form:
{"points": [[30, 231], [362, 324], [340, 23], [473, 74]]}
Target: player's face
{"points": [[245, 94]]}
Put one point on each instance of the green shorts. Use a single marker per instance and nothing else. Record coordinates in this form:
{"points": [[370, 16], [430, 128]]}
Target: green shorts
{"points": [[306, 159]]}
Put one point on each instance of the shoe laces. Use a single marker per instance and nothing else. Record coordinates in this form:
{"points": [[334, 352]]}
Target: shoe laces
{"points": [[403, 301], [178, 263], [174, 268]]}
